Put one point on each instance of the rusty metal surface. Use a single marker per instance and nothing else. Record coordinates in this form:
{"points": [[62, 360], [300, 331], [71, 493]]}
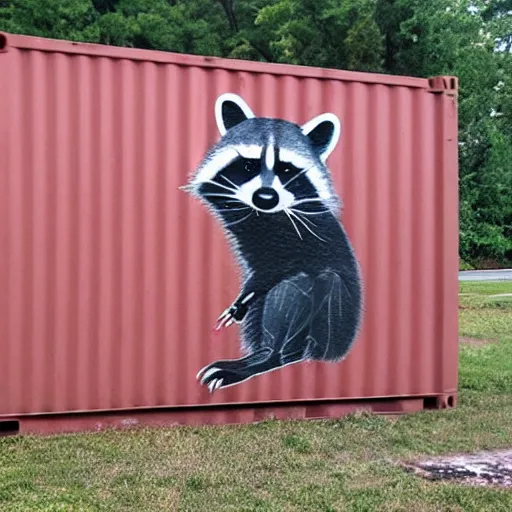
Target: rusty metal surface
{"points": [[41, 424], [112, 278]]}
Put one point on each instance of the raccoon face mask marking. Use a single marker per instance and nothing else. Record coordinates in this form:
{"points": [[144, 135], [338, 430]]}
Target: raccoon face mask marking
{"points": [[267, 165]]}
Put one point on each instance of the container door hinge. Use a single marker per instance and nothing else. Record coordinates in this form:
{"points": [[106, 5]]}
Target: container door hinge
{"points": [[448, 85]]}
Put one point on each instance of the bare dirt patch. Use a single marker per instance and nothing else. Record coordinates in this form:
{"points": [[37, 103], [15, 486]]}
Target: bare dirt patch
{"points": [[492, 468], [475, 341]]}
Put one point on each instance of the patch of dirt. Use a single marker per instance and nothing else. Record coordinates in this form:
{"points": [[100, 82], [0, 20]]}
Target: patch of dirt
{"points": [[477, 342], [492, 468]]}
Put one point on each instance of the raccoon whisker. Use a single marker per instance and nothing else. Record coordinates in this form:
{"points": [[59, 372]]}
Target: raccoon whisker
{"points": [[306, 226], [302, 212], [221, 186], [236, 209], [302, 221], [239, 220], [236, 187], [228, 196], [303, 218], [308, 200], [293, 223]]}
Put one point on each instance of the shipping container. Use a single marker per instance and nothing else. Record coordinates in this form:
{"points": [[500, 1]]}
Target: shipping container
{"points": [[112, 278]]}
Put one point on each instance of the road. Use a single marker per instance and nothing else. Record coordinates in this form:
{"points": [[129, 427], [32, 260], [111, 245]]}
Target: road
{"points": [[486, 275]]}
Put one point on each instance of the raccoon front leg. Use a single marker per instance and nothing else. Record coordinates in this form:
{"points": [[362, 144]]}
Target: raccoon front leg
{"points": [[251, 291], [237, 311]]}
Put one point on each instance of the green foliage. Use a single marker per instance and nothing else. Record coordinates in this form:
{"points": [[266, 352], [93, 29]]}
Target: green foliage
{"points": [[75, 20], [332, 33], [464, 265], [104, 6], [425, 38], [162, 25], [471, 39]]}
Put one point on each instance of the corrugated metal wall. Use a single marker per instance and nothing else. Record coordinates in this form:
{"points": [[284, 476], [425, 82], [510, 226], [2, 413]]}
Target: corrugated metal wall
{"points": [[112, 278]]}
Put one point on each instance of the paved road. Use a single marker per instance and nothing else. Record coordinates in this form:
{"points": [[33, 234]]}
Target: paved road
{"points": [[486, 275]]}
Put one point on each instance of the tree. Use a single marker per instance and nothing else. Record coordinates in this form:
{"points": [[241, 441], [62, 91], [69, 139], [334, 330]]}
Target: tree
{"points": [[74, 20], [183, 27], [328, 33], [500, 11], [460, 37]]}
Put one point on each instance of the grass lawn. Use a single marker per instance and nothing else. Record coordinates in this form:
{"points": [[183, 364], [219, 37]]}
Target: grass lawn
{"points": [[350, 464]]}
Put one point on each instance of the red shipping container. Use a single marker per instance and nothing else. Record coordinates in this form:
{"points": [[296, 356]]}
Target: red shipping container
{"points": [[112, 278]]}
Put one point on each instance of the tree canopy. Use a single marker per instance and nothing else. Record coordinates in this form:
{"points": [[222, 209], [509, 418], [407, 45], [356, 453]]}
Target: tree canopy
{"points": [[471, 39]]}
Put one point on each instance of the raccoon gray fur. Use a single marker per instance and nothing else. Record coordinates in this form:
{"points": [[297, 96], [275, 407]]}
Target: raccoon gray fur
{"points": [[267, 183]]}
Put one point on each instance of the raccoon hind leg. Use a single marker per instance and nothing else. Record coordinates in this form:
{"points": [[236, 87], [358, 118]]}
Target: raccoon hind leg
{"points": [[334, 319], [285, 318]]}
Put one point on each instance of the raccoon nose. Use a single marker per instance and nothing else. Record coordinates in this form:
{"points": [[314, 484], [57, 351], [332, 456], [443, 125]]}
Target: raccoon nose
{"points": [[265, 198]]}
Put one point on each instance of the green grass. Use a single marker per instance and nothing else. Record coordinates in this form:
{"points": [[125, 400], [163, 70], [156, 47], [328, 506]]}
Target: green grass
{"points": [[486, 288], [482, 315], [350, 464]]}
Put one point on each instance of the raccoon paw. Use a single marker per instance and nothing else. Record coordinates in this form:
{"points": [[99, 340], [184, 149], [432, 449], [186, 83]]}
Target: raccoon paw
{"points": [[234, 314], [215, 378]]}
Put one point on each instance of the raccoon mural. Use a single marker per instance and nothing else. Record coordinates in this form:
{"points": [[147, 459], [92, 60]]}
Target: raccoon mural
{"points": [[267, 183]]}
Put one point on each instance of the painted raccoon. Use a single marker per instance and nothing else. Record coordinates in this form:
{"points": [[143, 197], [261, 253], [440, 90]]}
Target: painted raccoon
{"points": [[267, 183]]}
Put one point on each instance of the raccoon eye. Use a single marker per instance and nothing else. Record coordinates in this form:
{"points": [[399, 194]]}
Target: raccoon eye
{"points": [[252, 166], [286, 168]]}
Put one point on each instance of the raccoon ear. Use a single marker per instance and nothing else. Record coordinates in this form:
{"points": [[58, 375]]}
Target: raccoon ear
{"points": [[323, 132], [230, 110]]}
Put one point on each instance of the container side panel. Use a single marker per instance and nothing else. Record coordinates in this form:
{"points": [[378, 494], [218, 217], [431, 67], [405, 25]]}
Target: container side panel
{"points": [[450, 213], [5, 158], [86, 376], [446, 177], [353, 192], [18, 378], [65, 239], [401, 240], [114, 277], [424, 214], [378, 233]]}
